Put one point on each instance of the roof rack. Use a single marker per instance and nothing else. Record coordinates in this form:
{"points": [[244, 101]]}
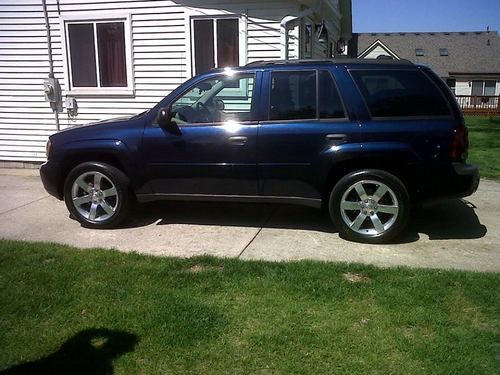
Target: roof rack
{"points": [[341, 60]]}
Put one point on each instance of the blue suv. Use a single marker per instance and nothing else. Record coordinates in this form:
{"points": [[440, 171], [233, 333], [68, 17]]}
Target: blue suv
{"points": [[365, 139]]}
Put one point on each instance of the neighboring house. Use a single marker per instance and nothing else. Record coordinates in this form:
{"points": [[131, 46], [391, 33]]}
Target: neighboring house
{"points": [[120, 57], [469, 62]]}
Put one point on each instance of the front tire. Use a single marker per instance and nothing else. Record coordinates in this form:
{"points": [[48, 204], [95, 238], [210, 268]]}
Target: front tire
{"points": [[370, 206], [97, 195]]}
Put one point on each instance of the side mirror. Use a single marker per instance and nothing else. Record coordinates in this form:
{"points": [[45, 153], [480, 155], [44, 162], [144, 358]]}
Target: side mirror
{"points": [[164, 117], [164, 120]]}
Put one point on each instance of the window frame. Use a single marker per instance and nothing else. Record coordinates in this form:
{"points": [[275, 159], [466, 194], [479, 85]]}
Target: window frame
{"points": [[453, 87], [254, 102], [94, 19], [242, 32], [307, 23], [400, 118], [315, 119], [483, 86], [443, 52]]}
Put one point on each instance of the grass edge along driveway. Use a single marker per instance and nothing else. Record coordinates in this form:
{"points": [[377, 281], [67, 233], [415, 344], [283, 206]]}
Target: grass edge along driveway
{"points": [[95, 311], [484, 150]]}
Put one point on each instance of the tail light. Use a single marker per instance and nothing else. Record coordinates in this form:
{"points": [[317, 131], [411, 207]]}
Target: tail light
{"points": [[460, 144]]}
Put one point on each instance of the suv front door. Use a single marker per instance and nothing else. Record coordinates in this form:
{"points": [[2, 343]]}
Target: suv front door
{"points": [[214, 151]]}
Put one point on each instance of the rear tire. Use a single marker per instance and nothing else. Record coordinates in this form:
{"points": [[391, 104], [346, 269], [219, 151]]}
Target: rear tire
{"points": [[370, 206], [97, 195]]}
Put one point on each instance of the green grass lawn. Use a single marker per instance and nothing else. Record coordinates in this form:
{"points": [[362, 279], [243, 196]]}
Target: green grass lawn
{"points": [[484, 136], [92, 311]]}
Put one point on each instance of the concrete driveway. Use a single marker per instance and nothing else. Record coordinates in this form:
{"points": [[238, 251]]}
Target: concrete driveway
{"points": [[459, 234]]}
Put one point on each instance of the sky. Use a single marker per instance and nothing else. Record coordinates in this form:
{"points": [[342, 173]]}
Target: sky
{"points": [[425, 15]]}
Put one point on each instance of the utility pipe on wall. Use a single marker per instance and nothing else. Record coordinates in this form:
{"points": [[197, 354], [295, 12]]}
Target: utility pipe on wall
{"points": [[53, 105]]}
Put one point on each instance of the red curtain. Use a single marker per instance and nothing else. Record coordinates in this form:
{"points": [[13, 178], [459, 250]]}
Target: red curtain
{"points": [[228, 46], [112, 60]]}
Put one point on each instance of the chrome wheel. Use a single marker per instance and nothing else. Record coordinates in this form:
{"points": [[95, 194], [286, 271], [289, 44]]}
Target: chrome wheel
{"points": [[369, 207], [94, 196]]}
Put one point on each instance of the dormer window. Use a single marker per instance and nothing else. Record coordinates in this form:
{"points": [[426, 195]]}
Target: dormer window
{"points": [[443, 52], [419, 52]]}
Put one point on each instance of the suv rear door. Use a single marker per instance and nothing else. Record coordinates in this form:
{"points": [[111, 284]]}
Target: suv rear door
{"points": [[408, 119], [305, 120]]}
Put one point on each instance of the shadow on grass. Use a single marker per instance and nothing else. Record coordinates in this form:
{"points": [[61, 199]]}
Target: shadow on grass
{"points": [[90, 351], [448, 219]]}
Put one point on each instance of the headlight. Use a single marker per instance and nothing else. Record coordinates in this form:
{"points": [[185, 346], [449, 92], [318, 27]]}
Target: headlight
{"points": [[48, 149]]}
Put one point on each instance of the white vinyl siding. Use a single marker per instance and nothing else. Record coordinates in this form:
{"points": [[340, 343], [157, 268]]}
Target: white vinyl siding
{"points": [[26, 120], [462, 87], [160, 59], [376, 52]]}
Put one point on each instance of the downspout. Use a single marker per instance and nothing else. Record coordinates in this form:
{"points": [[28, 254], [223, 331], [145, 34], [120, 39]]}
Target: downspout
{"points": [[284, 27], [53, 105]]}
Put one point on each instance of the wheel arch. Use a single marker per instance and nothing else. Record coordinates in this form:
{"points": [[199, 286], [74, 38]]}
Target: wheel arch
{"points": [[73, 159], [401, 169]]}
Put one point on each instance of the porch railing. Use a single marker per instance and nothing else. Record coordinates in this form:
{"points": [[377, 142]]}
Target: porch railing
{"points": [[479, 105]]}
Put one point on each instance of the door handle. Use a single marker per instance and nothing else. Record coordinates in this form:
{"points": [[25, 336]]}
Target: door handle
{"points": [[238, 140], [336, 137]]}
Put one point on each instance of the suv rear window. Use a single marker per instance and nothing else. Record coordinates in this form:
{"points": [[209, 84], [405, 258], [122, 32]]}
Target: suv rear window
{"points": [[400, 93]]}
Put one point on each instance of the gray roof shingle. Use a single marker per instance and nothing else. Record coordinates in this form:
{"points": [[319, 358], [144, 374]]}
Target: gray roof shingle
{"points": [[468, 52]]}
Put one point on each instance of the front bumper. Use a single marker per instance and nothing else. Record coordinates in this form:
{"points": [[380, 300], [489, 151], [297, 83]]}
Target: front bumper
{"points": [[50, 173]]}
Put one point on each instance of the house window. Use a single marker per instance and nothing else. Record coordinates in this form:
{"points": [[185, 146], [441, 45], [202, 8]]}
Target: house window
{"points": [[483, 88], [308, 31], [489, 88], [443, 52], [98, 55], [215, 43], [452, 84], [419, 52]]}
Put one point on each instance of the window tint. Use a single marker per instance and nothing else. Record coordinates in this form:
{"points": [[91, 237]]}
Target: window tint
{"points": [[227, 42], [330, 105], [398, 93], [216, 100], [293, 95], [82, 50], [203, 45]]}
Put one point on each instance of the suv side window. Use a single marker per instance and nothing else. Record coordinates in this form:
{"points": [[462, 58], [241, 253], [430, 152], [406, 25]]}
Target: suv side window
{"points": [[330, 104], [400, 93], [293, 95], [216, 100]]}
